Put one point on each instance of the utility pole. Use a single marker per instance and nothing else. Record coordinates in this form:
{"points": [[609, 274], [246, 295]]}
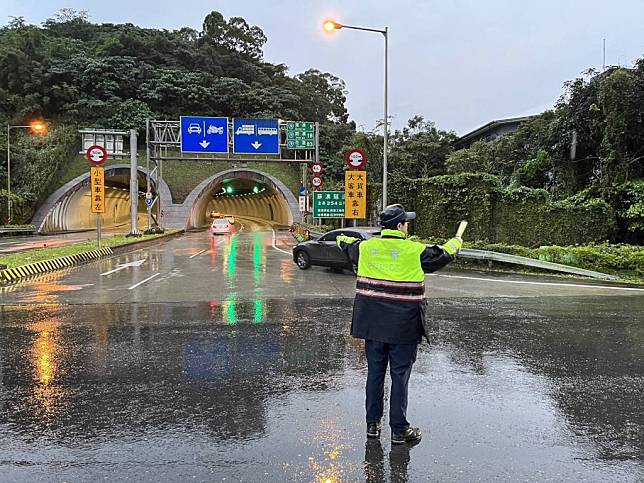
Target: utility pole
{"points": [[134, 185], [8, 175], [604, 56]]}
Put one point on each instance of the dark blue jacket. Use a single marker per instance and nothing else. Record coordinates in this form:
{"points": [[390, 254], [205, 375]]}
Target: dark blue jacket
{"points": [[389, 321]]}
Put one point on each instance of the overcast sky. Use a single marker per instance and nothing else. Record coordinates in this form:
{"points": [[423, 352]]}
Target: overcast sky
{"points": [[460, 63]]}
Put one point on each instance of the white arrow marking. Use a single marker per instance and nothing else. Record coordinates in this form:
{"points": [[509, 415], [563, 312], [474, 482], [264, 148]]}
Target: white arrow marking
{"points": [[123, 266], [256, 144], [143, 281], [204, 144]]}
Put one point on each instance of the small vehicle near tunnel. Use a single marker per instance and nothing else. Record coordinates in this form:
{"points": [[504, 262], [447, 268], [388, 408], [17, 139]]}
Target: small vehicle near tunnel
{"points": [[230, 218], [220, 226], [324, 251]]}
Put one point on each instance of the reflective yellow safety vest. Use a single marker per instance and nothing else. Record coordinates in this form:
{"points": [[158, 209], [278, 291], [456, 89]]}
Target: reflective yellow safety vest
{"points": [[389, 268]]}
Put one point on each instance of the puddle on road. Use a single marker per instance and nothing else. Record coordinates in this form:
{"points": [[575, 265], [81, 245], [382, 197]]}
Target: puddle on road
{"points": [[272, 389]]}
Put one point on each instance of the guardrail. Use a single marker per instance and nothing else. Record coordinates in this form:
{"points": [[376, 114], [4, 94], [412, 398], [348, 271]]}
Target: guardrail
{"points": [[531, 262]]}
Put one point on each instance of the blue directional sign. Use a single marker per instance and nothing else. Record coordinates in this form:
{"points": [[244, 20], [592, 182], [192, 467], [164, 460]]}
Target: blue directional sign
{"points": [[256, 136], [204, 134]]}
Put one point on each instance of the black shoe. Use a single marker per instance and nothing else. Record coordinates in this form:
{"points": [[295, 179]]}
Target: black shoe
{"points": [[373, 430], [409, 435]]}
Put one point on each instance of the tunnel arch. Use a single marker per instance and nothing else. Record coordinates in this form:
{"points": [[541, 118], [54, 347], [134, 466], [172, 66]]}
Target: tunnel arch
{"points": [[55, 213], [282, 208]]}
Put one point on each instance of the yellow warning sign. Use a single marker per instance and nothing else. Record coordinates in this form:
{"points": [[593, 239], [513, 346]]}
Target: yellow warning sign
{"points": [[355, 194], [97, 187]]}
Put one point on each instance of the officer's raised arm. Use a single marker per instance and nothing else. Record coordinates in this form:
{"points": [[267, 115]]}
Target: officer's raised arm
{"points": [[436, 257], [349, 245]]}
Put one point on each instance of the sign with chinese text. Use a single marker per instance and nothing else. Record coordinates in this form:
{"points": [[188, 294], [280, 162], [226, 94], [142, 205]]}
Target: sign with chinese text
{"points": [[97, 189], [300, 135], [328, 204], [355, 194]]}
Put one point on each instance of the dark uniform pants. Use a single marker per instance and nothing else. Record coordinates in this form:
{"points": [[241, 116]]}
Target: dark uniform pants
{"points": [[400, 358]]}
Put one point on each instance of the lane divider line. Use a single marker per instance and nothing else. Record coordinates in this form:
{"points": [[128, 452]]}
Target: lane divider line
{"points": [[552, 284], [143, 281], [198, 253], [278, 249]]}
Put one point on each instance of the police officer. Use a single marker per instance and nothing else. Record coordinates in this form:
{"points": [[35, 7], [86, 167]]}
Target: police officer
{"points": [[389, 311]]}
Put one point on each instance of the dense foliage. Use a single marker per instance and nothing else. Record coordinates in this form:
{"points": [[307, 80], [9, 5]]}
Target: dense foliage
{"points": [[76, 73], [585, 157], [590, 146], [523, 216]]}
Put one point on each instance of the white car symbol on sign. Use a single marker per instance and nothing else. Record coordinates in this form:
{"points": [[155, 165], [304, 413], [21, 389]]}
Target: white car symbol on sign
{"points": [[355, 159], [194, 128]]}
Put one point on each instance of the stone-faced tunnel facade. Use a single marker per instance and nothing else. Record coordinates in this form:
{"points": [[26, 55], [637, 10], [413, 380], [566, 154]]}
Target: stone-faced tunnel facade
{"points": [[278, 204]]}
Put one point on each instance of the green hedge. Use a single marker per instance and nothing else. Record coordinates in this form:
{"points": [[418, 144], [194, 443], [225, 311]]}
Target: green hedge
{"points": [[622, 260], [522, 216]]}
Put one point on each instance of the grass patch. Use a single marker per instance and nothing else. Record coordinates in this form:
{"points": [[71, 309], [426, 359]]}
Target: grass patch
{"points": [[624, 261], [32, 256]]}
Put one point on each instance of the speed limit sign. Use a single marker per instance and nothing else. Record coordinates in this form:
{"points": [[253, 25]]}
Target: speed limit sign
{"points": [[316, 182], [317, 168]]}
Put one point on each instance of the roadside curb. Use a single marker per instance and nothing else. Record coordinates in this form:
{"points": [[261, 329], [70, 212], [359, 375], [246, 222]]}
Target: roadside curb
{"points": [[9, 275], [143, 243]]}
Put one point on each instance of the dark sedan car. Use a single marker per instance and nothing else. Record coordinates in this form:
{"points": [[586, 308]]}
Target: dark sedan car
{"points": [[325, 252]]}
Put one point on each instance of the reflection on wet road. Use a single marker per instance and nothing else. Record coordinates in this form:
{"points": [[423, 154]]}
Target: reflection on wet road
{"points": [[235, 364]]}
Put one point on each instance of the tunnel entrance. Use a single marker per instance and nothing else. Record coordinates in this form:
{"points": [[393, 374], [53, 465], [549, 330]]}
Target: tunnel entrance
{"points": [[242, 193], [68, 209]]}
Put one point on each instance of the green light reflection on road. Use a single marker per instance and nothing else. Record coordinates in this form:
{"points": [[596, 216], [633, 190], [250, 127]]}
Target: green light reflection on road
{"points": [[230, 309], [230, 262], [257, 256], [259, 311]]}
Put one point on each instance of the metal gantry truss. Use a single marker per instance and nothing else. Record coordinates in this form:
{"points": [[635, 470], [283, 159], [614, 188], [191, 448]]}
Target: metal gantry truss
{"points": [[163, 142]]}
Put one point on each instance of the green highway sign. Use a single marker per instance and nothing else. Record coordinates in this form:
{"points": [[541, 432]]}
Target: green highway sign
{"points": [[300, 135], [328, 204]]}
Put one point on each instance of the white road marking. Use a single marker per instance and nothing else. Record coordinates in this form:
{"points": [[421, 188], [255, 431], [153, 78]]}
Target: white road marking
{"points": [[278, 249], [552, 284], [143, 281], [123, 266], [198, 253]]}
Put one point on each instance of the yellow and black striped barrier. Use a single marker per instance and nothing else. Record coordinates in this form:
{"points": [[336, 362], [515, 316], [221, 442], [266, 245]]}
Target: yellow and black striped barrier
{"points": [[9, 275]]}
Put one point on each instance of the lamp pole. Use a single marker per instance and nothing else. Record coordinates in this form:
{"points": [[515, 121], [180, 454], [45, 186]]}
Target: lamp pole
{"points": [[331, 25], [8, 175], [38, 127]]}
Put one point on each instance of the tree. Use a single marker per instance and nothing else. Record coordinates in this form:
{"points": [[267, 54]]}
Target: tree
{"points": [[478, 158]]}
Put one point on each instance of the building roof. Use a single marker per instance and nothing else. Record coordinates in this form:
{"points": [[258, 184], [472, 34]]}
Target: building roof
{"points": [[490, 126]]}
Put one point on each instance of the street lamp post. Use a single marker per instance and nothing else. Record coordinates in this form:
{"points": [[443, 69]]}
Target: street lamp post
{"points": [[331, 25], [38, 128]]}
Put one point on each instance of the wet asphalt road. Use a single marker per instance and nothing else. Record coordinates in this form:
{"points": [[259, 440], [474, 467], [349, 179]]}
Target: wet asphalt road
{"points": [[216, 358]]}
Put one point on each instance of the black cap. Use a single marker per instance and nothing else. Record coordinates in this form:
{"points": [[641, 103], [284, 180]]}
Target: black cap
{"points": [[394, 214]]}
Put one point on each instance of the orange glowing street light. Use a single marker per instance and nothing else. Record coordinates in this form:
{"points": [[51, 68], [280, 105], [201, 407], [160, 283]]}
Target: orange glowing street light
{"points": [[331, 25], [36, 127]]}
